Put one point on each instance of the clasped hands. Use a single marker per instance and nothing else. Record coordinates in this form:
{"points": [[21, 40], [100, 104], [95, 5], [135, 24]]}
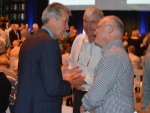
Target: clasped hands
{"points": [[73, 75]]}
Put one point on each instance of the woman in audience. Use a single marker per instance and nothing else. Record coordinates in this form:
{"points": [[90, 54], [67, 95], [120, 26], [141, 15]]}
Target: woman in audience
{"points": [[135, 60], [125, 39], [136, 42], [4, 67]]}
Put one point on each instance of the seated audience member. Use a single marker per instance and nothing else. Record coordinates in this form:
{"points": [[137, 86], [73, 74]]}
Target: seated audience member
{"points": [[4, 67], [146, 83], [112, 89], [27, 27], [5, 88], [67, 34], [136, 42], [71, 37], [125, 39], [68, 37], [65, 46], [24, 32], [2, 45], [15, 50], [135, 60], [35, 28], [14, 54], [66, 56], [5, 36]]}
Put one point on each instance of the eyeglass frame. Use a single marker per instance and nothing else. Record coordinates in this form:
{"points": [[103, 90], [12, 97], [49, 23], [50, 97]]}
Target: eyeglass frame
{"points": [[98, 27]]}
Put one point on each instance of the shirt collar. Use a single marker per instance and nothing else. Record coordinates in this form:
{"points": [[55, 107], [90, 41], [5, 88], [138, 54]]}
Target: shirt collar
{"points": [[113, 43], [49, 31]]}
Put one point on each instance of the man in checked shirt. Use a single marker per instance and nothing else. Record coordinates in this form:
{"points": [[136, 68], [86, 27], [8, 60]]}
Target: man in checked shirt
{"points": [[112, 89]]}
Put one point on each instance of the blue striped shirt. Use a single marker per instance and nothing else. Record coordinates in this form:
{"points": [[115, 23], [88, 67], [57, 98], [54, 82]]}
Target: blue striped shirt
{"points": [[112, 89]]}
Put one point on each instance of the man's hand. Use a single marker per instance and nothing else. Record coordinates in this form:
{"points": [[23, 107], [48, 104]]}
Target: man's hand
{"points": [[80, 80], [65, 69], [71, 74], [82, 110], [79, 87]]}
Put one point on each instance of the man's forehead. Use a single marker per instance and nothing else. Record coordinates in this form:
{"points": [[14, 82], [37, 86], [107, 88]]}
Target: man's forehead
{"points": [[101, 22], [91, 17]]}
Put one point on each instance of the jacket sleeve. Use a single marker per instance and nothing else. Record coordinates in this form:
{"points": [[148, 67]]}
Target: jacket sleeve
{"points": [[51, 72]]}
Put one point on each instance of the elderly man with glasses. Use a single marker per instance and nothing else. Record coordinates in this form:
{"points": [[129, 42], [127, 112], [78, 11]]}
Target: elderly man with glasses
{"points": [[112, 89]]}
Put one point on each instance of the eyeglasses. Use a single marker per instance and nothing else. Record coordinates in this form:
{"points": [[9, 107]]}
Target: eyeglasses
{"points": [[91, 23], [98, 27]]}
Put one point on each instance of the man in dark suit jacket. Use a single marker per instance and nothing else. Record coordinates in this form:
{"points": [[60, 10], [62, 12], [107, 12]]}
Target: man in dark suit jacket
{"points": [[15, 34], [40, 83]]}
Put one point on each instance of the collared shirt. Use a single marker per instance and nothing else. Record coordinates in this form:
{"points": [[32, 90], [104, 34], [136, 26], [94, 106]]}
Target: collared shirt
{"points": [[85, 55], [112, 89], [146, 81], [48, 31]]}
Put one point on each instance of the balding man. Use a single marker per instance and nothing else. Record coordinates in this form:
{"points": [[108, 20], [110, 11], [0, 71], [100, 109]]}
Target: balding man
{"points": [[112, 89], [35, 28], [15, 50]]}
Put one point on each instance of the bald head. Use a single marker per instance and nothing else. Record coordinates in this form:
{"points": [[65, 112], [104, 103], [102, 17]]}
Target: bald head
{"points": [[15, 43], [116, 23], [110, 28]]}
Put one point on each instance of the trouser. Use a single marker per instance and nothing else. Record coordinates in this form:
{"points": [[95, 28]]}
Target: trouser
{"points": [[12, 108], [78, 95]]}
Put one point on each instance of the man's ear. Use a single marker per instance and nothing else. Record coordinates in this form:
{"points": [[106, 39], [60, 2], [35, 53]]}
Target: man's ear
{"points": [[111, 29], [52, 19]]}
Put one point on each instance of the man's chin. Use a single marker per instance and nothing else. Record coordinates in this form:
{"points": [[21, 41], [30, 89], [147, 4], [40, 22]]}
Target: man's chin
{"points": [[97, 44]]}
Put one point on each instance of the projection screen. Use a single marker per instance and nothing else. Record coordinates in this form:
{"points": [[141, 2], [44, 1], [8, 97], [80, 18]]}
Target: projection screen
{"points": [[106, 4]]}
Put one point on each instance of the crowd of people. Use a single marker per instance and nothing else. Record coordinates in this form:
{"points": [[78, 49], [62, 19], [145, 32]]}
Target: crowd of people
{"points": [[39, 67]]}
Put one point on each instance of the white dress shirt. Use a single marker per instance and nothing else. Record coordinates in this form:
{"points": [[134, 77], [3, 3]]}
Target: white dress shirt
{"points": [[85, 55]]}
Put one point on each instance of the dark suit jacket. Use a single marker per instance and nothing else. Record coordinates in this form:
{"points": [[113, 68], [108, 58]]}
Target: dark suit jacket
{"points": [[40, 84], [13, 36]]}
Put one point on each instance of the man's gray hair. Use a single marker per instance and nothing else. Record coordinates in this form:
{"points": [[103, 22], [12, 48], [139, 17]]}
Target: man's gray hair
{"points": [[54, 9], [94, 10]]}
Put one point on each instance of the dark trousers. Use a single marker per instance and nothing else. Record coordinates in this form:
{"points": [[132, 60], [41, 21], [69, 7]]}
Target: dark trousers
{"points": [[78, 95], [12, 108]]}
